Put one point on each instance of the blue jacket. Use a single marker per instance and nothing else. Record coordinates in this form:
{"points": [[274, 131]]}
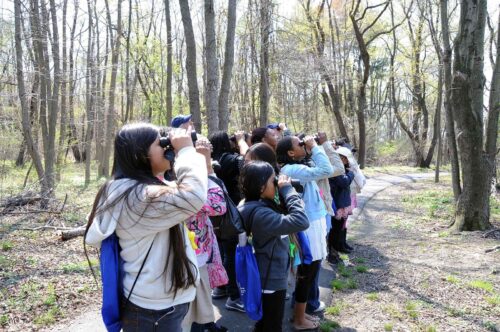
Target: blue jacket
{"points": [[340, 189], [314, 205]]}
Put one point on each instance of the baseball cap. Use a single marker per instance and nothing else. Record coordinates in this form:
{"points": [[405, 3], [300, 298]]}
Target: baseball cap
{"points": [[180, 119], [273, 126]]}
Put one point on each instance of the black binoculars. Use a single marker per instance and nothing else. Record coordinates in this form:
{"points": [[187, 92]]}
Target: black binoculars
{"points": [[169, 149], [295, 184]]}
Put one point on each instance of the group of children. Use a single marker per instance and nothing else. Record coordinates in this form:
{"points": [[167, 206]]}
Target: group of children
{"points": [[166, 214]]}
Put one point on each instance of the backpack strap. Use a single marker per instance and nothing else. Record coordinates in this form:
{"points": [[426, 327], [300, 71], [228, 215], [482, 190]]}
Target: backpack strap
{"points": [[138, 274]]}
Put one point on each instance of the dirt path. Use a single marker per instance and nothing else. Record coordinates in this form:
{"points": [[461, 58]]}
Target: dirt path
{"points": [[408, 273]]}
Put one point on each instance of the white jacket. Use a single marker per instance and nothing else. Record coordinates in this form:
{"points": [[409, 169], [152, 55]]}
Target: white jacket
{"points": [[143, 216]]}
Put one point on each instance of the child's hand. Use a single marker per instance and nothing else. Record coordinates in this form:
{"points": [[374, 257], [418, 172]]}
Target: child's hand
{"points": [[181, 138], [284, 180]]}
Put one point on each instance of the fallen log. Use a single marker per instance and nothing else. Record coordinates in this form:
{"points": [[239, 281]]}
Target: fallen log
{"points": [[71, 234], [19, 200]]}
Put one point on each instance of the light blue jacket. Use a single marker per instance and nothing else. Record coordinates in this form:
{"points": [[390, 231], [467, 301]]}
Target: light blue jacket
{"points": [[314, 205]]}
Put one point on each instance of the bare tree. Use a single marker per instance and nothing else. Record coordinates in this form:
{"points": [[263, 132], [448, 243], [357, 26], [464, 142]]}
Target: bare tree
{"points": [[212, 68], [194, 94], [91, 83], [25, 116], [110, 116], [228, 66], [472, 209], [450, 122], [73, 136], [363, 43], [169, 61], [333, 94], [265, 31]]}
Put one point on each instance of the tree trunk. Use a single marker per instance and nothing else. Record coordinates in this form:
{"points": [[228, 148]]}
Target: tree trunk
{"points": [[110, 116], [73, 135], [169, 61], [493, 112], [228, 66], [265, 30], [472, 210], [212, 68], [194, 94], [64, 95], [128, 109], [50, 157], [26, 125], [450, 122], [90, 94]]}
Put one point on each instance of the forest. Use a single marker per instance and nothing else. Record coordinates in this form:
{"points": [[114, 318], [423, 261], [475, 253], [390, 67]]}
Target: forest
{"points": [[414, 85]]}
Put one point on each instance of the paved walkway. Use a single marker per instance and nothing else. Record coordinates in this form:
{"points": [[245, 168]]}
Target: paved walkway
{"points": [[91, 321]]}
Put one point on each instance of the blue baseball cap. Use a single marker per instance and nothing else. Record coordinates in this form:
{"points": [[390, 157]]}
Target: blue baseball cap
{"points": [[180, 120], [273, 126]]}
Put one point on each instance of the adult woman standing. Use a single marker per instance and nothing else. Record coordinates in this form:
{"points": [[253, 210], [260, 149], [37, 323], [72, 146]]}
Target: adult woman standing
{"points": [[147, 216]]}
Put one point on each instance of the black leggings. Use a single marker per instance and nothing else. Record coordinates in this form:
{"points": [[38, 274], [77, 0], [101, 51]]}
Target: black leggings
{"points": [[305, 277], [228, 254], [273, 310]]}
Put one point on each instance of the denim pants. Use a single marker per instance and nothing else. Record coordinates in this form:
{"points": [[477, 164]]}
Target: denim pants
{"points": [[137, 319]]}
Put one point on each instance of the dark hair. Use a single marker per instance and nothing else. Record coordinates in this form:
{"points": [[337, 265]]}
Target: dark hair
{"points": [[220, 144], [258, 135], [131, 161], [264, 152], [285, 145], [254, 176]]}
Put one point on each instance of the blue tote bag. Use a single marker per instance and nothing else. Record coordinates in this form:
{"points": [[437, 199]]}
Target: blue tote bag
{"points": [[112, 282], [248, 278]]}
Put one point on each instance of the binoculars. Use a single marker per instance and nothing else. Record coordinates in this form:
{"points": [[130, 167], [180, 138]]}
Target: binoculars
{"points": [[169, 149], [295, 184]]}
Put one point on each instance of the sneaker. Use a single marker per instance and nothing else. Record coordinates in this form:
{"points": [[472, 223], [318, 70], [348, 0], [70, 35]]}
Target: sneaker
{"points": [[321, 307], [235, 305], [218, 293]]}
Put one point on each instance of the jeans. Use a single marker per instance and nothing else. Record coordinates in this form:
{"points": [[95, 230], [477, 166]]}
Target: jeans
{"points": [[137, 319], [228, 255], [273, 311]]}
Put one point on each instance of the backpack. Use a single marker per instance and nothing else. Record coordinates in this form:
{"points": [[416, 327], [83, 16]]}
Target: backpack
{"points": [[112, 275], [230, 224]]}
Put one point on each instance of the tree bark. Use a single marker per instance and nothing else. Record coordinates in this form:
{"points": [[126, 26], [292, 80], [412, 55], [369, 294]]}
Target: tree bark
{"points": [[129, 105], [64, 94], [169, 61], [265, 30], [73, 134], [228, 66], [110, 116], [194, 93], [450, 122], [212, 68], [472, 210], [90, 94], [26, 125]]}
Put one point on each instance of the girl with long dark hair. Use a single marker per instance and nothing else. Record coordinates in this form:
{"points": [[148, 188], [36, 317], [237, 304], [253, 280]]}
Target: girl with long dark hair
{"points": [[147, 216], [228, 171], [270, 226], [291, 153]]}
